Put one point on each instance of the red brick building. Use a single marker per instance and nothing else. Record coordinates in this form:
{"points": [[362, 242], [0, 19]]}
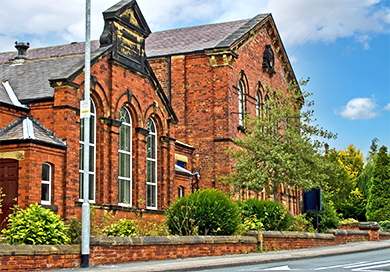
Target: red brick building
{"points": [[162, 113], [214, 76]]}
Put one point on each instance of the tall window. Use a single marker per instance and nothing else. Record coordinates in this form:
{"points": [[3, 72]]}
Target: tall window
{"points": [[46, 184], [265, 110], [266, 106], [241, 103], [125, 162], [151, 166], [258, 104], [92, 155]]}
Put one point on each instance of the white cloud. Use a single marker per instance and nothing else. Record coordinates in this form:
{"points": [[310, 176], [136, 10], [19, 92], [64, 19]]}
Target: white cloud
{"points": [[298, 21], [359, 109], [387, 107], [326, 20]]}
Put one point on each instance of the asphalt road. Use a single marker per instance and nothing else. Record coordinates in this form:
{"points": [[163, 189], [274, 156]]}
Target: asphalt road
{"points": [[268, 260], [378, 260]]}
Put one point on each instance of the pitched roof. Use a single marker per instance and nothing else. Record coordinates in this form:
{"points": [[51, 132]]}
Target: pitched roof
{"points": [[50, 52], [193, 39], [28, 128], [30, 79]]}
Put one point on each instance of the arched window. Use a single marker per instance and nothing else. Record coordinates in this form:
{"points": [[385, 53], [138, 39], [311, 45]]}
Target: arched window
{"points": [[241, 103], [125, 158], [180, 191], [151, 165], [46, 184], [92, 155]]}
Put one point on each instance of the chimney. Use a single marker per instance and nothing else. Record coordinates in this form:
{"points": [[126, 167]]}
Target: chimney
{"points": [[22, 49]]}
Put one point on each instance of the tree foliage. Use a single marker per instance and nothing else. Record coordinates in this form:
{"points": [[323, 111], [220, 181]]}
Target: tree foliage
{"points": [[337, 184], [378, 206], [352, 161], [350, 199], [280, 146]]}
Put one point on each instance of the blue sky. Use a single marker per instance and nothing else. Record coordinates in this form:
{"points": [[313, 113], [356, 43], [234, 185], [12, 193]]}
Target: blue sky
{"points": [[342, 45]]}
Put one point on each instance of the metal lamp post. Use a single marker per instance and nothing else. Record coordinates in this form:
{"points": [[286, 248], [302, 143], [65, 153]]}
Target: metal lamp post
{"points": [[85, 231]]}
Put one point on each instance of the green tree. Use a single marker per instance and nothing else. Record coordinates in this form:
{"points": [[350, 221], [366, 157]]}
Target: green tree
{"points": [[352, 161], [364, 178], [350, 201], [378, 206], [280, 146], [336, 185]]}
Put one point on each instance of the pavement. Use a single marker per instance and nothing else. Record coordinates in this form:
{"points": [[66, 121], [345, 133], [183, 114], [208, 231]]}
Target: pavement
{"points": [[194, 264]]}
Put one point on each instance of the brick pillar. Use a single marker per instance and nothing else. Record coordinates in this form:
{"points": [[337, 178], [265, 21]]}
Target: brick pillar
{"points": [[139, 167], [372, 229], [109, 164], [67, 127]]}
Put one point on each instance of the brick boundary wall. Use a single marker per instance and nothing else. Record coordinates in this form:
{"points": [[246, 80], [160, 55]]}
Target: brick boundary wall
{"points": [[113, 250]]}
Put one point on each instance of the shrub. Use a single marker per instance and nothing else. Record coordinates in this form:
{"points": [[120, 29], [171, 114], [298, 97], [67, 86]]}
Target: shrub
{"points": [[348, 220], [301, 223], [124, 227], [328, 217], [35, 225], [151, 226], [204, 212], [73, 228], [272, 214], [252, 223], [385, 225]]}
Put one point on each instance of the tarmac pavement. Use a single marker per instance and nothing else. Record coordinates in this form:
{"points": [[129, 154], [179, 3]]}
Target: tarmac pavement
{"points": [[194, 264]]}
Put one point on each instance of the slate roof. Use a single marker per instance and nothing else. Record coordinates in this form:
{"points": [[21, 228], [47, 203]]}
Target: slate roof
{"points": [[16, 131], [193, 39], [50, 52], [30, 79]]}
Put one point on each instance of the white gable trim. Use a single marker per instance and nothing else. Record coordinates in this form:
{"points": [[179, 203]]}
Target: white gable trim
{"points": [[28, 129]]}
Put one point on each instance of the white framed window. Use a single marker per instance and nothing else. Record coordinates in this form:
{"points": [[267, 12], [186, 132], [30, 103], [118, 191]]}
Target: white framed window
{"points": [[125, 159], [46, 184], [241, 103], [92, 156], [151, 165]]}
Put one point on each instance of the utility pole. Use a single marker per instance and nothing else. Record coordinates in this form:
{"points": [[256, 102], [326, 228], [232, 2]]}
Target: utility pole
{"points": [[85, 225]]}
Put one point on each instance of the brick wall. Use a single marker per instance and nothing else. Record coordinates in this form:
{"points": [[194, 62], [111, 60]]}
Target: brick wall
{"points": [[113, 250], [205, 98]]}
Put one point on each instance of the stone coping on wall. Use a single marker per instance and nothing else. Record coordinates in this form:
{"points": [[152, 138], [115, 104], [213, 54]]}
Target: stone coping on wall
{"points": [[169, 240], [32, 250], [347, 232], [291, 234], [384, 233]]}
